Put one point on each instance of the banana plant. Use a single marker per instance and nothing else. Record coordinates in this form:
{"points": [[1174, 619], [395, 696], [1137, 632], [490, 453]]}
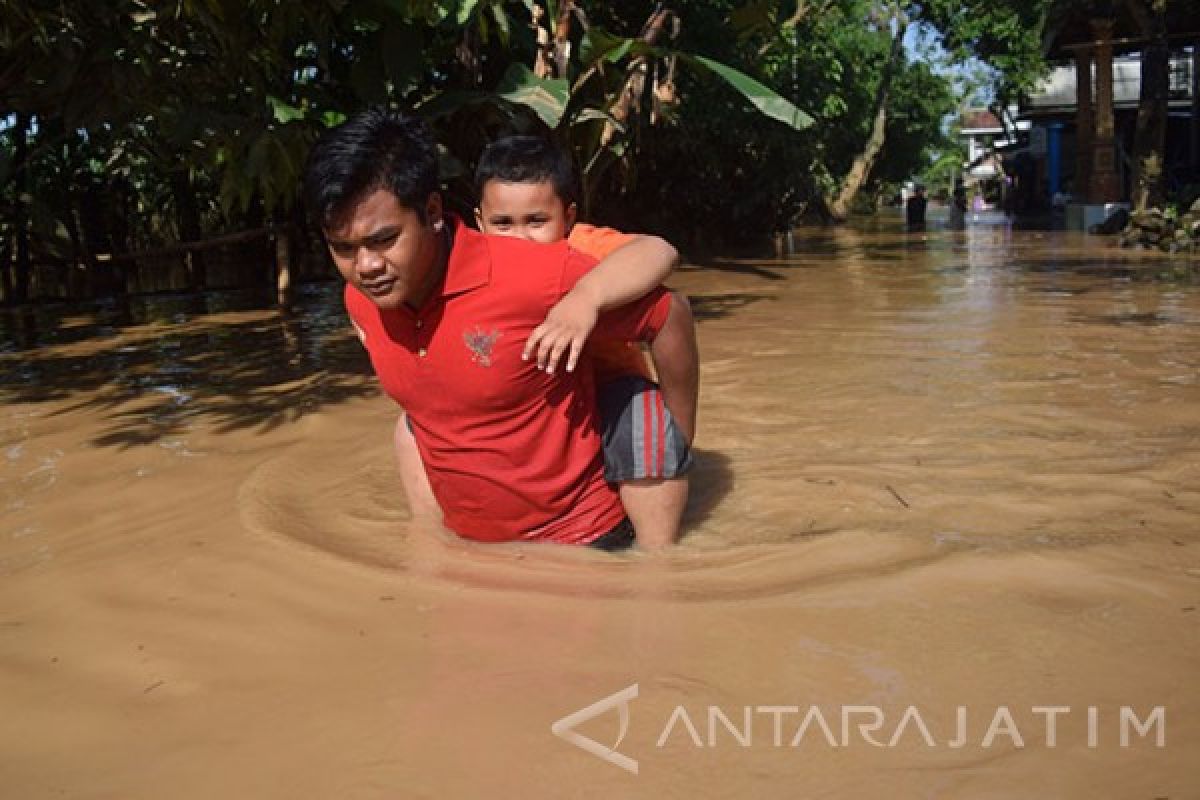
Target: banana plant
{"points": [[595, 99]]}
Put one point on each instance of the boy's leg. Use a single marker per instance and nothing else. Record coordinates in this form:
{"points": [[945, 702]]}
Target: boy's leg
{"points": [[421, 502], [655, 507], [647, 456]]}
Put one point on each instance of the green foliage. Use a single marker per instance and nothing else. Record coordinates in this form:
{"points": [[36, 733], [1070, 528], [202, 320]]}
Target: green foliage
{"points": [[548, 97], [155, 121], [1006, 35], [920, 102], [761, 97], [945, 170]]}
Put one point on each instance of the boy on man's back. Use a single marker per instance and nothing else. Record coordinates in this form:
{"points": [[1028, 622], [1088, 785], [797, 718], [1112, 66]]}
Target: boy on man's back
{"points": [[526, 188]]}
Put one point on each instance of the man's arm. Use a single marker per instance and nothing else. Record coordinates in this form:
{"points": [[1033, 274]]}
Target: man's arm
{"points": [[677, 362], [414, 479], [624, 275]]}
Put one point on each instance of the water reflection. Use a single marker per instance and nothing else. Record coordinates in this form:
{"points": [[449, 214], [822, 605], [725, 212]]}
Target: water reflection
{"points": [[217, 357]]}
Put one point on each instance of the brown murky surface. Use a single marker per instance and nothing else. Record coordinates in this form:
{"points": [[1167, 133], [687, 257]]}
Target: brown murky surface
{"points": [[955, 472]]}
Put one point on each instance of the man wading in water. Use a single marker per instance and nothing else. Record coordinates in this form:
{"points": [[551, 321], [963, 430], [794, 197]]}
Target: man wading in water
{"points": [[512, 452], [526, 187]]}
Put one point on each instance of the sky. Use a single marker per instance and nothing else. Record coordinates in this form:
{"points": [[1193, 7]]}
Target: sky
{"points": [[923, 43]]}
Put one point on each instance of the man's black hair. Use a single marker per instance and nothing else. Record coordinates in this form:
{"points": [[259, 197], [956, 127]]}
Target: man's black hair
{"points": [[527, 159], [373, 149]]}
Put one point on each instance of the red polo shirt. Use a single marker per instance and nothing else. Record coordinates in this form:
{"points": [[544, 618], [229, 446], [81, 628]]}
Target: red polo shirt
{"points": [[511, 452]]}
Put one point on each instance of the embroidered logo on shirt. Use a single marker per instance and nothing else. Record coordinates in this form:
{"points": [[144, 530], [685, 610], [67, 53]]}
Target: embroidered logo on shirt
{"points": [[480, 343]]}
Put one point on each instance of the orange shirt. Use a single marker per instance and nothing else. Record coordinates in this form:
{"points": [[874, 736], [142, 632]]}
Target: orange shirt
{"points": [[612, 359]]}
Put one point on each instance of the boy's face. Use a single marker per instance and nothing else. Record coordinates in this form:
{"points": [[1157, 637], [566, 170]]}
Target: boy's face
{"points": [[532, 211], [383, 249]]}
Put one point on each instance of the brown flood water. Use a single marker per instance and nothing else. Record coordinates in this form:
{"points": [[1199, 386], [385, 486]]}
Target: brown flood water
{"points": [[957, 473]]}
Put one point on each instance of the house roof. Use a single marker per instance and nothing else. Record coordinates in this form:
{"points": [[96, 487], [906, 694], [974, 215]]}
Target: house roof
{"points": [[980, 118]]}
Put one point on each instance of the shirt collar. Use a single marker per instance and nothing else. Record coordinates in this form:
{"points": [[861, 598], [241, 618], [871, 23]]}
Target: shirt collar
{"points": [[470, 261]]}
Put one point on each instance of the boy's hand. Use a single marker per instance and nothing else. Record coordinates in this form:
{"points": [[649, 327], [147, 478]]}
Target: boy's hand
{"points": [[564, 330]]}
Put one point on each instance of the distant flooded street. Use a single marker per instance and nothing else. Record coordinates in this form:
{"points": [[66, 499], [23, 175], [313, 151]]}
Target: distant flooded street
{"points": [[951, 471]]}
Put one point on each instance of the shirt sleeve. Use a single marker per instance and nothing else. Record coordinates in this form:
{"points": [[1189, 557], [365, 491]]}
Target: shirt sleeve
{"points": [[639, 321], [597, 242]]}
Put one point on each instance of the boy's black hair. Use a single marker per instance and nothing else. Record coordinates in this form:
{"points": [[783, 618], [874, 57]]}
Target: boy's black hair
{"points": [[373, 149], [527, 159]]}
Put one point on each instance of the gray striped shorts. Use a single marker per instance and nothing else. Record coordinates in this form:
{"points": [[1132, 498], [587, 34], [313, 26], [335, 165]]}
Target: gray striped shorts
{"points": [[641, 439]]}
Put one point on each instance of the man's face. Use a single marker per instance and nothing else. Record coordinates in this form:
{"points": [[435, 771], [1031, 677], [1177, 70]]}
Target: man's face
{"points": [[532, 211], [382, 248]]}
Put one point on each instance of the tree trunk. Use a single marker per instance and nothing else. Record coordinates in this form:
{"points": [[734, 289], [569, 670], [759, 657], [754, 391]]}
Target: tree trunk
{"points": [[1194, 127], [283, 264], [860, 170], [544, 57], [6, 284], [562, 37], [467, 53], [76, 289], [660, 22], [188, 218], [111, 228], [21, 268], [1150, 136], [1085, 125]]}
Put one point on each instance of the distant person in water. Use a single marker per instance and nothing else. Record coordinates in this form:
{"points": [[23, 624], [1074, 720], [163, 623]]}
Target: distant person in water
{"points": [[914, 209], [512, 451], [527, 190]]}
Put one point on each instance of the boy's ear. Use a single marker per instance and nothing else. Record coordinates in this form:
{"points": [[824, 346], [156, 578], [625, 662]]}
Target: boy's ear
{"points": [[478, 218], [572, 213]]}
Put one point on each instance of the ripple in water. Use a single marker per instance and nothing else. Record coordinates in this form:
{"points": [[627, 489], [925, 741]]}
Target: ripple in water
{"points": [[348, 506]]}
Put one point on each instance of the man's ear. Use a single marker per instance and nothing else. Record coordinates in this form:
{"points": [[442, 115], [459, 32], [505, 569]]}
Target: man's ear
{"points": [[433, 211], [571, 214]]}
